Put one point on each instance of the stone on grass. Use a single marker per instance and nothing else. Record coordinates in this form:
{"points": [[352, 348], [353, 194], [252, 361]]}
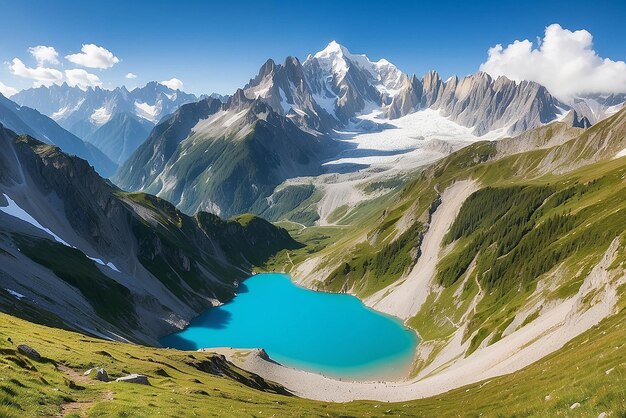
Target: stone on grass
{"points": [[98, 373], [29, 352], [575, 405], [134, 378]]}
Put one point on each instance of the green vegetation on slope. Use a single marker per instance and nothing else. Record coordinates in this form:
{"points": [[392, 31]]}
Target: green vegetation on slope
{"points": [[377, 269], [589, 370], [74, 268]]}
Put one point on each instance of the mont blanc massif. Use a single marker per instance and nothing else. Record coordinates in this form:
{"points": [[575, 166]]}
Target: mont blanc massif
{"points": [[334, 238]]}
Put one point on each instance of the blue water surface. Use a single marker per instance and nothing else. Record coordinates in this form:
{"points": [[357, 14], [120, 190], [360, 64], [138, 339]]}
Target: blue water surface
{"points": [[332, 334]]}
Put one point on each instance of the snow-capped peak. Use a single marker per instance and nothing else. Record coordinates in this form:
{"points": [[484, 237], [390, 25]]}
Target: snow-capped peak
{"points": [[333, 48], [336, 59]]}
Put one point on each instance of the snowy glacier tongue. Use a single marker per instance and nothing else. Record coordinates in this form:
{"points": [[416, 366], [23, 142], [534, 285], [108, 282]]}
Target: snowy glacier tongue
{"points": [[405, 139], [16, 211], [13, 209]]}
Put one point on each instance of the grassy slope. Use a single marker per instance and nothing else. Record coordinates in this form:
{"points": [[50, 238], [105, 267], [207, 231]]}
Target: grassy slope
{"points": [[179, 387], [576, 373]]}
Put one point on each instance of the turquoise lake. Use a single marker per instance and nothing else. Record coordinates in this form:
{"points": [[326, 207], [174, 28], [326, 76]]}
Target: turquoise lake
{"points": [[332, 334]]}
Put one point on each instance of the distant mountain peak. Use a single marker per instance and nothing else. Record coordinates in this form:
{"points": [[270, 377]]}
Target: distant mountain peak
{"points": [[333, 48]]}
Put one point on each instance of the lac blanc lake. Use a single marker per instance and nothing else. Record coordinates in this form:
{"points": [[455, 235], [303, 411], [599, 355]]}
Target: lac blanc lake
{"points": [[331, 334]]}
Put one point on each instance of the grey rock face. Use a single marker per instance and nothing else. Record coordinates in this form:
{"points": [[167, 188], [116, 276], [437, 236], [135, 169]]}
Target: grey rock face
{"points": [[350, 83], [596, 107], [139, 379], [286, 90], [575, 120], [408, 100], [479, 101], [29, 352], [240, 151]]}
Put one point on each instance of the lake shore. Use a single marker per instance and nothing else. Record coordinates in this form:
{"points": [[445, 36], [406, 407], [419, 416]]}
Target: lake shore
{"points": [[558, 323]]}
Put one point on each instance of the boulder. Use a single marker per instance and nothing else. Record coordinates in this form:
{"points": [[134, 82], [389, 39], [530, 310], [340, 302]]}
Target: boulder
{"points": [[29, 352], [98, 373], [102, 375], [134, 378]]}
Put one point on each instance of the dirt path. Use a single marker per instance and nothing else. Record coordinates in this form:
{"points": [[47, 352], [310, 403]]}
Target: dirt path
{"points": [[80, 407]]}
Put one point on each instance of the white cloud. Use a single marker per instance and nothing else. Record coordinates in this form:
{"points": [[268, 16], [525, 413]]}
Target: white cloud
{"points": [[93, 56], [81, 78], [174, 84], [44, 54], [7, 91], [564, 62], [131, 76], [41, 76]]}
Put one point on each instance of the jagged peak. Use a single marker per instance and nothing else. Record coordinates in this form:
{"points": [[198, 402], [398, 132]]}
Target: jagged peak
{"points": [[291, 61], [432, 75], [573, 119]]}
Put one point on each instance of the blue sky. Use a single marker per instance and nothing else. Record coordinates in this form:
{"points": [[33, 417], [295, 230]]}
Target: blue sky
{"points": [[218, 46]]}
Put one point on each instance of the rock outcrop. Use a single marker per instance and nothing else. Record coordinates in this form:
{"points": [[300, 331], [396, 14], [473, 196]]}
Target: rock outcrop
{"points": [[29, 352]]}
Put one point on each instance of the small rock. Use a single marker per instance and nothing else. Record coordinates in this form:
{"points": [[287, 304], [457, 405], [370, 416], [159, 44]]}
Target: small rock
{"points": [[575, 405], [134, 378], [603, 415], [548, 398], [102, 375], [98, 373], [29, 352], [609, 370]]}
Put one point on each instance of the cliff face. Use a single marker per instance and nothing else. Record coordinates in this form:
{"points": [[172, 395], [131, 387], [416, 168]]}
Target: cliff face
{"points": [[479, 101], [166, 266]]}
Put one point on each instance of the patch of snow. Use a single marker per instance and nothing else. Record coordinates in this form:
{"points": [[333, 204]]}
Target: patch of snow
{"points": [[66, 111], [326, 103], [100, 116], [102, 263], [284, 104], [234, 118], [13, 209], [148, 112], [403, 137], [621, 154], [15, 294], [60, 113]]}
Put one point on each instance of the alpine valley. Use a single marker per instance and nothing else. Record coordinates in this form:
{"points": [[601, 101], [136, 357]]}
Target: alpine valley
{"points": [[481, 219]]}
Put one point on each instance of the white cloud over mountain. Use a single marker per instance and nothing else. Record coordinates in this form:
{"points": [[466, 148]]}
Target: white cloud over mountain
{"points": [[44, 54], [174, 84], [41, 76], [131, 76], [7, 91], [44, 74], [563, 61], [93, 56], [81, 78]]}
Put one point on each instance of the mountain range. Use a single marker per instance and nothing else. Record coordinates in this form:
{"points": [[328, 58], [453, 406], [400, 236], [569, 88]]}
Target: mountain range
{"points": [[25, 120], [484, 213], [93, 258], [117, 120], [190, 158]]}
